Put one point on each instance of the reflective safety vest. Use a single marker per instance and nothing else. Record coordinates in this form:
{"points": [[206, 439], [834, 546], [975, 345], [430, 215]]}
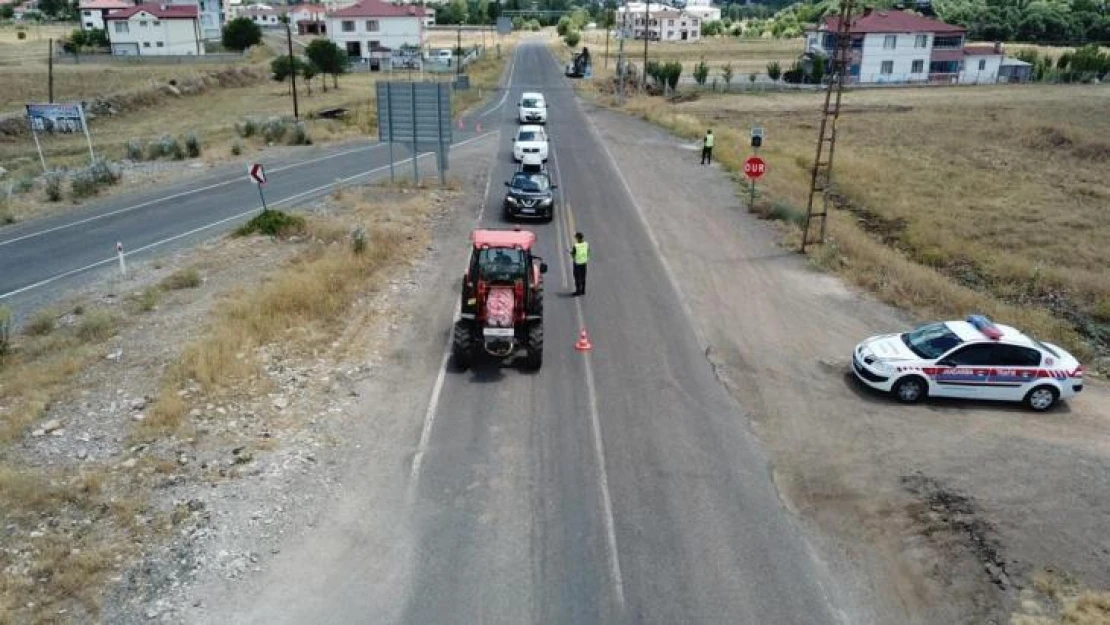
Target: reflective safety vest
{"points": [[708, 140], [581, 253]]}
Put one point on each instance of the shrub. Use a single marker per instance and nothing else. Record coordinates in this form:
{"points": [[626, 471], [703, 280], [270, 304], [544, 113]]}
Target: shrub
{"points": [[299, 136], [88, 182], [23, 185], [701, 72], [41, 324], [247, 128], [98, 325], [273, 223], [782, 211], [774, 70], [21, 35], [183, 279], [135, 150], [273, 130], [726, 75], [192, 145], [147, 300], [166, 146], [236, 148], [52, 184], [572, 38], [358, 240]]}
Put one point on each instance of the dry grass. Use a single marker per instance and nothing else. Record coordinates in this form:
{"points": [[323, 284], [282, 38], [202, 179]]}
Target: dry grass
{"points": [[746, 55], [954, 199], [182, 279], [1056, 599]]}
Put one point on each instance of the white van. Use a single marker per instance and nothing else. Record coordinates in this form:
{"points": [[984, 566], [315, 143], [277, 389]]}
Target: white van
{"points": [[532, 108]]}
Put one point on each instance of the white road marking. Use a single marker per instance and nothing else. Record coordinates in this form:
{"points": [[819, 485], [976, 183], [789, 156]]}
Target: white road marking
{"points": [[602, 474], [595, 418], [437, 388], [174, 196], [213, 224], [508, 88]]}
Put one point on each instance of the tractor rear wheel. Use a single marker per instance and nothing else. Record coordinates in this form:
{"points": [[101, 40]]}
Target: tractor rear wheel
{"points": [[462, 344], [534, 346]]}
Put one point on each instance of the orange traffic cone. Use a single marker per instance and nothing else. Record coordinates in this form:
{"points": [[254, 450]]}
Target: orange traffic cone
{"points": [[583, 343]]}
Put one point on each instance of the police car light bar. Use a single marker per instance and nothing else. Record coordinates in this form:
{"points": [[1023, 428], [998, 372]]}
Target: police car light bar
{"points": [[984, 325]]}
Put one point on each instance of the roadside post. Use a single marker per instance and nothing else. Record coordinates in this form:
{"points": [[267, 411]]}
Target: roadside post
{"points": [[755, 167], [122, 262], [417, 114], [258, 174]]}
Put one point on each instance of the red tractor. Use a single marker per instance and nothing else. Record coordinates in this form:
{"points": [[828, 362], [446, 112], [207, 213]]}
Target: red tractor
{"points": [[501, 309]]}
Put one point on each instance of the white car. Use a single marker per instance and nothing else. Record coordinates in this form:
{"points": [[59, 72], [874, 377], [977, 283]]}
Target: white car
{"points": [[530, 140], [974, 359], [532, 108]]}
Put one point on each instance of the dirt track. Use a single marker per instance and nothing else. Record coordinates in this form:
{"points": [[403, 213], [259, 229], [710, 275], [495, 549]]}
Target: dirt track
{"points": [[947, 508]]}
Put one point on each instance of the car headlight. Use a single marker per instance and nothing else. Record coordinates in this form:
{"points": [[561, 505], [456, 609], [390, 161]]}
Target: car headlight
{"points": [[546, 202], [883, 367], [510, 199]]}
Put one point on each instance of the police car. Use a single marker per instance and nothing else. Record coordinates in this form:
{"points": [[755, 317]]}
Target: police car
{"points": [[974, 358]]}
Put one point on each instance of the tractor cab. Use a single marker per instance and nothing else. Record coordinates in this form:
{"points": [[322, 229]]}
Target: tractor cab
{"points": [[501, 307]]}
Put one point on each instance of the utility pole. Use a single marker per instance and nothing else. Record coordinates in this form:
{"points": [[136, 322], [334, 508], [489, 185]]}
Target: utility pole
{"points": [[50, 71], [292, 66], [620, 55], [607, 28], [647, 34], [458, 51]]}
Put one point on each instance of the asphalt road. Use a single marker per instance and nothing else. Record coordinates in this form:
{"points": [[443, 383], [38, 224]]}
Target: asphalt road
{"points": [[619, 485], [40, 258]]}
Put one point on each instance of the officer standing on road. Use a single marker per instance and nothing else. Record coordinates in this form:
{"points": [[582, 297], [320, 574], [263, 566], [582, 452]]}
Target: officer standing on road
{"points": [[580, 253], [707, 148]]}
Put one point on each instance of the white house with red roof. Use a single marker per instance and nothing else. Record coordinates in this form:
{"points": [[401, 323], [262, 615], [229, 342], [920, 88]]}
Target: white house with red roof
{"points": [[371, 29], [310, 19], [93, 11], [901, 47], [155, 30]]}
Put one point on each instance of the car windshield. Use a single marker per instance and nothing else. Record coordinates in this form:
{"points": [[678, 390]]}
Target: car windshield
{"points": [[530, 135], [532, 183], [501, 264], [532, 103], [931, 341]]}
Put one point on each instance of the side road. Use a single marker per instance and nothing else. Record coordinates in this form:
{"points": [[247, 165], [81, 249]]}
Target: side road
{"points": [[950, 507]]}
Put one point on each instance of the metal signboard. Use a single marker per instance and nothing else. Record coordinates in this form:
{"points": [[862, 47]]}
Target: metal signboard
{"points": [[504, 25], [56, 117], [416, 114]]}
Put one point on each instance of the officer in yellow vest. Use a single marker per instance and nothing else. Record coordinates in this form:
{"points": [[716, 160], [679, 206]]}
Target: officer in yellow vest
{"points": [[580, 254], [707, 148]]}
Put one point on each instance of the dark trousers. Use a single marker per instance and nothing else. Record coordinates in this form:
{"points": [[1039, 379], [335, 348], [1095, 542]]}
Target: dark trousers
{"points": [[706, 155], [579, 279]]}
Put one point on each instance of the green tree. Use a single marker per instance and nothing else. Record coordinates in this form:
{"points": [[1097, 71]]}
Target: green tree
{"points": [[726, 74], [701, 72], [774, 70], [310, 71], [572, 38], [328, 58], [282, 67], [241, 33], [673, 71], [7, 12], [482, 13], [455, 12], [563, 27]]}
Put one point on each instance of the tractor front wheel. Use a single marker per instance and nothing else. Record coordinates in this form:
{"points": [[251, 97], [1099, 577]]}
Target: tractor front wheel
{"points": [[535, 346], [462, 344]]}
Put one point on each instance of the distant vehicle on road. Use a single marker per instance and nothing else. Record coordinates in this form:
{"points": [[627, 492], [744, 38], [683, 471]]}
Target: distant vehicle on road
{"points": [[530, 139], [530, 193], [973, 359], [532, 108]]}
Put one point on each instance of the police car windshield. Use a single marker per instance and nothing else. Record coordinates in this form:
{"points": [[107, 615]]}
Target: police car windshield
{"points": [[931, 341], [532, 183]]}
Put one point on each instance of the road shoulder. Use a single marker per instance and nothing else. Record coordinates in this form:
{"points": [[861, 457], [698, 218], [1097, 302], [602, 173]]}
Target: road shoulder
{"points": [[886, 492]]}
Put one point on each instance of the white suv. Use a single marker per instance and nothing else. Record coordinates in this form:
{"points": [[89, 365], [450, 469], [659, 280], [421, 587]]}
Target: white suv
{"points": [[532, 108]]}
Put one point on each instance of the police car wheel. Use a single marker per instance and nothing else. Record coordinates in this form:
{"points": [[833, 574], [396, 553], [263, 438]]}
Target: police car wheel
{"points": [[909, 390], [1041, 398]]}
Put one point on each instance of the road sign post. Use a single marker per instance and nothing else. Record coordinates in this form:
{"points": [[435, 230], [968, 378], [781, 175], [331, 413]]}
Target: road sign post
{"points": [[122, 262], [417, 114], [258, 174], [754, 168]]}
